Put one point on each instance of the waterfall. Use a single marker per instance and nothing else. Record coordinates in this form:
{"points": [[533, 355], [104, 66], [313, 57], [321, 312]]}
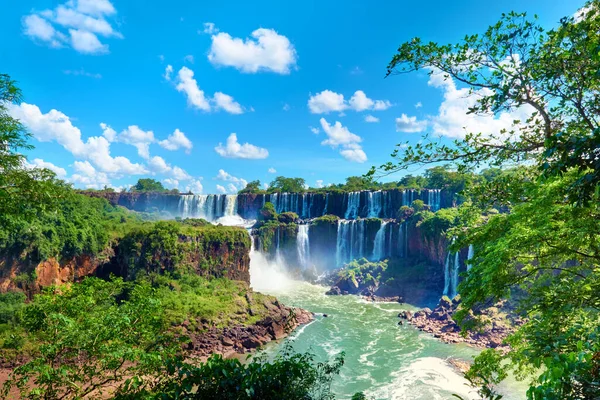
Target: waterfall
{"points": [[326, 203], [447, 275], [434, 199], [379, 245], [305, 214], [353, 204], [230, 205], [470, 255], [374, 204], [351, 240], [455, 269], [303, 245], [340, 243]]}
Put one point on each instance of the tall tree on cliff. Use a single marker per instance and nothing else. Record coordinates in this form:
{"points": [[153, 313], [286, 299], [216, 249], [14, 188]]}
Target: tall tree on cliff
{"points": [[24, 191], [548, 245]]}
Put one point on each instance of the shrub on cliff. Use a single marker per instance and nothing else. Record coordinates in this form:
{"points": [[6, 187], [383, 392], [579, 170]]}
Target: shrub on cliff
{"points": [[82, 339], [287, 217], [267, 212], [326, 220], [290, 376]]}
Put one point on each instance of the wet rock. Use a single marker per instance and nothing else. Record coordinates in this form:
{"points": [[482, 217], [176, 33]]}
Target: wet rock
{"points": [[334, 291], [405, 315]]}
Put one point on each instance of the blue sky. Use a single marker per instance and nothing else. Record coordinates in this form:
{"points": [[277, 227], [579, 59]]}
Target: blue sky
{"points": [[147, 88]]}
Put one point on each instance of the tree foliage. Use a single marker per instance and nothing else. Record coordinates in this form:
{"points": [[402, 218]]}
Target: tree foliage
{"points": [[148, 185], [542, 250]]}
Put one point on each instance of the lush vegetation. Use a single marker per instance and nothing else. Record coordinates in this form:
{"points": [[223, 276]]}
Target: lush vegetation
{"points": [[100, 338], [544, 243]]}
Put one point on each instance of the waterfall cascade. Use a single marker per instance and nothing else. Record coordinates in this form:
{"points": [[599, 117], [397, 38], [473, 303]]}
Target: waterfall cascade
{"points": [[451, 278], [207, 206], [353, 204], [455, 268], [447, 275], [470, 255], [350, 241], [303, 246], [379, 245]]}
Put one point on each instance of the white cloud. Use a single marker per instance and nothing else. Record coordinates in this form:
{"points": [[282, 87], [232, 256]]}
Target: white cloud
{"points": [[40, 29], [82, 72], [452, 119], [286, 107], [340, 136], [168, 72], [231, 188], [355, 155], [177, 140], [195, 186], [314, 130], [370, 118], [86, 175], [171, 183], [225, 102], [196, 98], [265, 51], [266, 185], [410, 124], [237, 183], [158, 165], [233, 149], [138, 138], [320, 183], [328, 101], [189, 58], [86, 42], [188, 85], [272, 170], [418, 105], [56, 126], [61, 173], [209, 28], [221, 189], [83, 20]]}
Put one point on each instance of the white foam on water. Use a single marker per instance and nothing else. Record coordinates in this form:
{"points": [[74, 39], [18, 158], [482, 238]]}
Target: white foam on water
{"points": [[425, 378], [234, 220], [268, 276]]}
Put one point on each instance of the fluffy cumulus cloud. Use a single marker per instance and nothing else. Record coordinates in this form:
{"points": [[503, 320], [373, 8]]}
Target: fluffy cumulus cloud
{"points": [[409, 124], [314, 130], [370, 118], [328, 101], [177, 140], [170, 183], [339, 136], [56, 126], [272, 170], [61, 173], [95, 165], [452, 119], [234, 184], [221, 189], [77, 23], [319, 183], [266, 51], [158, 165], [233, 149], [194, 186], [187, 84]]}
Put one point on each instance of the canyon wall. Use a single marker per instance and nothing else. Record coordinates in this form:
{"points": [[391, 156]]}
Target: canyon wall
{"points": [[210, 252]]}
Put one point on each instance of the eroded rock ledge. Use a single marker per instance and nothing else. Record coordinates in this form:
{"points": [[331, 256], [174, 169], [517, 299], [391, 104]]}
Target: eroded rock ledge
{"points": [[240, 339], [498, 324]]}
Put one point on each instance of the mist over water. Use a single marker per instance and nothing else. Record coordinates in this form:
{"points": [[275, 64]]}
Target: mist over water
{"points": [[383, 359]]}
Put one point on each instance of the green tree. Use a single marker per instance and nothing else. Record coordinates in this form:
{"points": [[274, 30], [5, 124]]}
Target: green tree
{"points": [[148, 185], [543, 251], [251, 187], [90, 337], [288, 185], [24, 192]]}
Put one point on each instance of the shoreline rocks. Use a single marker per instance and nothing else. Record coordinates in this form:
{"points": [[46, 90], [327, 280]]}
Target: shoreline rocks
{"points": [[241, 339], [499, 323]]}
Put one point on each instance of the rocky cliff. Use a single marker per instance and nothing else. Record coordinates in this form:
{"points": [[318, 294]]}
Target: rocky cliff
{"points": [[164, 246]]}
